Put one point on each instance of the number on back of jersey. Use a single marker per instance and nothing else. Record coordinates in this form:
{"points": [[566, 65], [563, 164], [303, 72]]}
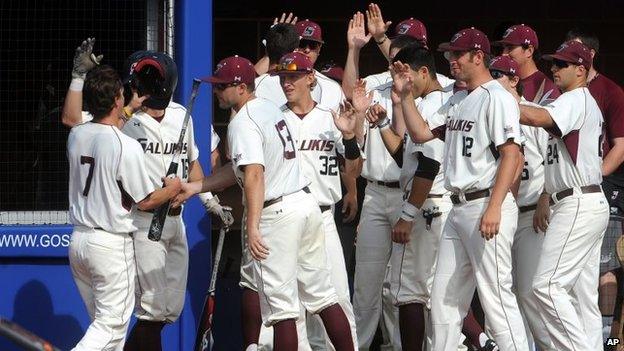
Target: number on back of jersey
{"points": [[552, 154], [287, 141]]}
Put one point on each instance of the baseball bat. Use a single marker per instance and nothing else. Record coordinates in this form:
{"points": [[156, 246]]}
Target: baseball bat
{"points": [[203, 339], [24, 338], [160, 214]]}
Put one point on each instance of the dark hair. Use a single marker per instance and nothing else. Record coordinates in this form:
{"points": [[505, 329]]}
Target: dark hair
{"points": [[586, 37], [401, 41], [416, 56], [281, 39], [102, 86]]}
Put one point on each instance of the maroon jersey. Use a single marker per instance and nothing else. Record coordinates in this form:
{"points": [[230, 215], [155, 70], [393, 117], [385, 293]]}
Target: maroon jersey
{"points": [[610, 99], [539, 89]]}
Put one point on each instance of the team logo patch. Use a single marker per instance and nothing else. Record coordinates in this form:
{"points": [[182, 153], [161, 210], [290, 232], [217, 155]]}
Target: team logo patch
{"points": [[308, 31], [508, 129], [457, 36], [508, 32], [562, 47], [237, 157], [404, 28], [288, 60], [219, 66]]}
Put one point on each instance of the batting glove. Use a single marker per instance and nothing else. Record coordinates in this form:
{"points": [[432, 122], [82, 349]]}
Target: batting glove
{"points": [[212, 205], [84, 59]]}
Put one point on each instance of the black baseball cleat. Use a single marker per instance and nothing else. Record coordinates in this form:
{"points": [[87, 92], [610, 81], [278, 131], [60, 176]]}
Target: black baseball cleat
{"points": [[490, 345]]}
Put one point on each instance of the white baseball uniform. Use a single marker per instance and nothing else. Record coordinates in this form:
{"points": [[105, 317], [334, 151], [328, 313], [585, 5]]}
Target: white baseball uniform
{"points": [[375, 80], [372, 296], [476, 124], [326, 92], [319, 142], [162, 266], [412, 279], [527, 244], [566, 279], [291, 222], [107, 177]]}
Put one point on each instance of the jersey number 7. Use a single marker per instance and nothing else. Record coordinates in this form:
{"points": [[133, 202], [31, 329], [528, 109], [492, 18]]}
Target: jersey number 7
{"points": [[91, 162]]}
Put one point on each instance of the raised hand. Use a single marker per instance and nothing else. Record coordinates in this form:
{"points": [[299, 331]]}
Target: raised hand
{"points": [[356, 34], [84, 59], [376, 114], [345, 119], [375, 23], [288, 19], [402, 81], [361, 100]]}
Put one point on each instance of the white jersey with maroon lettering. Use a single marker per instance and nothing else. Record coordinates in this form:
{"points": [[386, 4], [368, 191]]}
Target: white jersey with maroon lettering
{"points": [[378, 163], [158, 140], [429, 108], [375, 80], [532, 178], [476, 124], [574, 157], [259, 134], [107, 176], [319, 142], [326, 92]]}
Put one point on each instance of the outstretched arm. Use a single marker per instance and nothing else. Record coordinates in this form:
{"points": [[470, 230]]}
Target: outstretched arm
{"points": [[84, 61], [378, 28], [356, 39]]}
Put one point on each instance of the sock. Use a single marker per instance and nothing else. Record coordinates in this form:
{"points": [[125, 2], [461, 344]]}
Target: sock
{"points": [[412, 326], [472, 329], [251, 317], [285, 336], [337, 327]]}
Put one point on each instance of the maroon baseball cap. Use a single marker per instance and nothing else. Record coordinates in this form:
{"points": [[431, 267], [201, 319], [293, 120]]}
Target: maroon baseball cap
{"points": [[505, 64], [467, 39], [573, 52], [413, 28], [234, 69], [333, 71], [520, 34], [309, 30], [293, 62]]}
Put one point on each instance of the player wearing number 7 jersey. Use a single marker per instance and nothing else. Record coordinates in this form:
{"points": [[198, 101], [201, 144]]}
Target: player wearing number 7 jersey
{"points": [[566, 279], [107, 178], [284, 224]]}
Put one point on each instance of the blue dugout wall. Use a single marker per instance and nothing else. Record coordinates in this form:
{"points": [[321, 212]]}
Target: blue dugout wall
{"points": [[36, 287]]}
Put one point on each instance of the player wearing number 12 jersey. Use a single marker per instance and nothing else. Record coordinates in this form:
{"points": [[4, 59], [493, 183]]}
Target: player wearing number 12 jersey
{"points": [[107, 178], [284, 223], [566, 279]]}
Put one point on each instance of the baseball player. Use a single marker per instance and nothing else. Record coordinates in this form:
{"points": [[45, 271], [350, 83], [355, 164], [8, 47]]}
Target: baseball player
{"points": [[610, 99], [107, 179], [321, 140], [566, 279], [426, 203], [481, 133], [283, 222], [528, 240], [520, 43]]}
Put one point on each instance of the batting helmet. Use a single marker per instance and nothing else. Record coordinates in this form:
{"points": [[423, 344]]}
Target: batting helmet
{"points": [[154, 74]]}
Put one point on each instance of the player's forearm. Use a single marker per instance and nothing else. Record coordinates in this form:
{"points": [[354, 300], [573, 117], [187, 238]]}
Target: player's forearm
{"points": [[515, 186], [398, 120], [195, 171], [72, 108], [349, 181], [223, 177], [391, 140], [536, 117], [384, 47], [262, 66], [419, 192], [352, 168], [614, 157], [416, 126], [215, 159], [351, 72], [254, 194], [156, 198], [509, 157]]}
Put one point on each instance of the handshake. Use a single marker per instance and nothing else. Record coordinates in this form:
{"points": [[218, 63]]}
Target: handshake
{"points": [[211, 203]]}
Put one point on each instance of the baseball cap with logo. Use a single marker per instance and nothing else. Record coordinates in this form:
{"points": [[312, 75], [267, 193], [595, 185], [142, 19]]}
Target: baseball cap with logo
{"points": [[520, 34], [333, 71], [505, 64], [293, 62], [233, 69], [309, 30], [413, 28], [467, 39], [573, 52]]}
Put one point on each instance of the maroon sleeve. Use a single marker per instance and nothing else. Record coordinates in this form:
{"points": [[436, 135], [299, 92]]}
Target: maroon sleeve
{"points": [[613, 112], [439, 132]]}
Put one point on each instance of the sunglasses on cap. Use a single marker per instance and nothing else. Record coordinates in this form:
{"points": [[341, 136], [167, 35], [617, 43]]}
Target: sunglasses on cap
{"points": [[223, 86], [313, 45], [499, 74], [290, 67], [560, 63]]}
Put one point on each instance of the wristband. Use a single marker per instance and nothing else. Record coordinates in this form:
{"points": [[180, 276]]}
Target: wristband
{"points": [[352, 150], [382, 40], [205, 197], [408, 211], [127, 112], [76, 84], [385, 123]]}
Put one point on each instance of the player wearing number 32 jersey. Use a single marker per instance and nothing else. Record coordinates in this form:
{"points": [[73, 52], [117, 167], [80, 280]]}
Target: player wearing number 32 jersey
{"points": [[107, 178]]}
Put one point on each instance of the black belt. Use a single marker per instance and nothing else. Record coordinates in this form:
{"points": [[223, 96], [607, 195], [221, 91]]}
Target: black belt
{"points": [[430, 196], [570, 191], [528, 208], [173, 212], [471, 196], [279, 199], [394, 185]]}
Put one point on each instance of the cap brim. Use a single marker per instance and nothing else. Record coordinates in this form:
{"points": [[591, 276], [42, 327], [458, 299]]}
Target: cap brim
{"points": [[550, 57], [503, 43], [214, 80], [311, 39], [448, 47], [284, 72]]}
